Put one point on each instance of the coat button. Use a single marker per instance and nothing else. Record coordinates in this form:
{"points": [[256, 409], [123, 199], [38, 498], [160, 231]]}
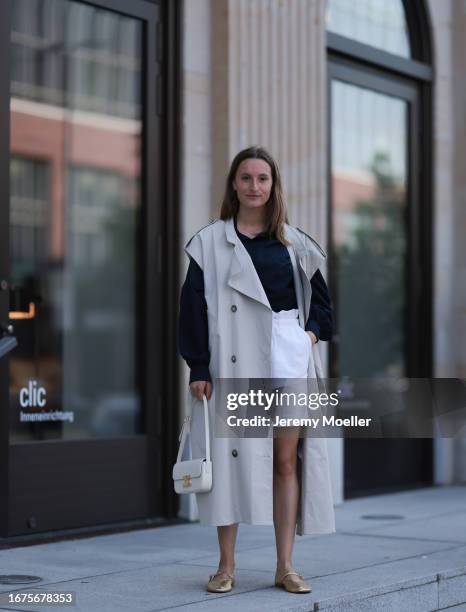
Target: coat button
{"points": [[234, 452], [233, 358], [234, 308]]}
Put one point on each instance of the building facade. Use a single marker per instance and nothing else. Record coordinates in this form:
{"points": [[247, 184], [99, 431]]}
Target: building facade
{"points": [[119, 121]]}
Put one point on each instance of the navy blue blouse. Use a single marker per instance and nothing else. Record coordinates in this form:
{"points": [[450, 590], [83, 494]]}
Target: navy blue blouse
{"points": [[274, 268]]}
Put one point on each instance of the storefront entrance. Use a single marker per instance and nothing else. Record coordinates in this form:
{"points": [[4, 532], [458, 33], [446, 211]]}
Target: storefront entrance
{"points": [[381, 257], [81, 229]]}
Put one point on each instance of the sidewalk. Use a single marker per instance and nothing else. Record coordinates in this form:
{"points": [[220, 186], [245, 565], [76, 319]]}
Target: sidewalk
{"points": [[414, 562]]}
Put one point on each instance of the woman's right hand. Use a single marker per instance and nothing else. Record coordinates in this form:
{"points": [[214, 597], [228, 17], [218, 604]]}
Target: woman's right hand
{"points": [[201, 387]]}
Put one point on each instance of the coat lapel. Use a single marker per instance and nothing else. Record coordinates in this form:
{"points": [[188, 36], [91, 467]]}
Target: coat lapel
{"points": [[298, 254], [244, 278], [243, 275]]}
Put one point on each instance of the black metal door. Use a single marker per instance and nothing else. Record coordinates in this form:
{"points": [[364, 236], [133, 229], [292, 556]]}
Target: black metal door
{"points": [[79, 227]]}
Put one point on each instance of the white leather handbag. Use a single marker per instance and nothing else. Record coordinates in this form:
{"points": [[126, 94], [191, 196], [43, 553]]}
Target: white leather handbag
{"points": [[193, 475]]}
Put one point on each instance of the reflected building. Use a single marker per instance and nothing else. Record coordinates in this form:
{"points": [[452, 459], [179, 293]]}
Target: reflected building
{"points": [[76, 138]]}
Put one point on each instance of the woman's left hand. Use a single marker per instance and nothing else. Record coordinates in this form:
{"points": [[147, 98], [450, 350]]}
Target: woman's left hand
{"points": [[312, 336]]}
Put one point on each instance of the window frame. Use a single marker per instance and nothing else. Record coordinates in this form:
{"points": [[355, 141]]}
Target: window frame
{"points": [[377, 67], [158, 263], [346, 57]]}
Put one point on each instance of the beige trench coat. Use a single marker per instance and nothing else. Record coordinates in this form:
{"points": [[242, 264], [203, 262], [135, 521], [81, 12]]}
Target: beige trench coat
{"points": [[243, 479]]}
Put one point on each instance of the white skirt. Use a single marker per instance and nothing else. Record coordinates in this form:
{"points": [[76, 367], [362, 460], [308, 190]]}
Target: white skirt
{"points": [[291, 346], [291, 351]]}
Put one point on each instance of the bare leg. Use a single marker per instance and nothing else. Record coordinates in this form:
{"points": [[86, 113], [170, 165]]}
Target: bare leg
{"points": [[285, 498], [227, 540]]}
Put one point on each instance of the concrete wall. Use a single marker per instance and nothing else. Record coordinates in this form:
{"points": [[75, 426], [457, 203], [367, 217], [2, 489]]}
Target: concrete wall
{"points": [[459, 158], [196, 152], [459, 174], [448, 20], [444, 202]]}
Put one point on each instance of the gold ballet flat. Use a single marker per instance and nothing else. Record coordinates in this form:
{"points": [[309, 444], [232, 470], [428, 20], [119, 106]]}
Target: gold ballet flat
{"points": [[221, 582], [293, 583]]}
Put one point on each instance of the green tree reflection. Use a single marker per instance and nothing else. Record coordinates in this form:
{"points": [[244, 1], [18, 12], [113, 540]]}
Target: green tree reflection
{"points": [[371, 280]]}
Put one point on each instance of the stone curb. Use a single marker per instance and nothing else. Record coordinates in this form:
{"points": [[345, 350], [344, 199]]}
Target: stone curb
{"points": [[431, 592]]}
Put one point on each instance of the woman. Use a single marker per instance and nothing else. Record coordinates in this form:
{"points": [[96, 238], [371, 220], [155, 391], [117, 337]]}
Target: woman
{"points": [[254, 305]]}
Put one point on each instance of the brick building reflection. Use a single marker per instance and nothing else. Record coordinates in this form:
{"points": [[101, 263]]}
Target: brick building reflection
{"points": [[74, 210]]}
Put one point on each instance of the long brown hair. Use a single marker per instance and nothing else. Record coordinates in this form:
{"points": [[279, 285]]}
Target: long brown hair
{"points": [[276, 213]]}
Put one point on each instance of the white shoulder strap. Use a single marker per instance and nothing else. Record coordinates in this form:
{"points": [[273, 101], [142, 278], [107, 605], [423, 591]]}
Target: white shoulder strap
{"points": [[207, 431], [186, 428]]}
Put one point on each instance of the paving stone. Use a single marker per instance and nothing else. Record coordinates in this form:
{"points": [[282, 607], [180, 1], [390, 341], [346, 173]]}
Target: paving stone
{"points": [[398, 565], [452, 587]]}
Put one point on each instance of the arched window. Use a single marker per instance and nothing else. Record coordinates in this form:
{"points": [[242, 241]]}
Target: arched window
{"points": [[379, 24], [379, 92]]}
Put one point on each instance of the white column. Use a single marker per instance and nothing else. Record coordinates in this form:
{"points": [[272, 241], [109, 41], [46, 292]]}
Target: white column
{"points": [[276, 89], [196, 152]]}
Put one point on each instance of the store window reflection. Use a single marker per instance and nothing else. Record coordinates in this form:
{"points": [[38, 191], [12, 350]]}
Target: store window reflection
{"points": [[76, 137], [369, 214]]}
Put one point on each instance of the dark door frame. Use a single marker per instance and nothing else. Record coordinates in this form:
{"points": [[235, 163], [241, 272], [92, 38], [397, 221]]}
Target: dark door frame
{"points": [[386, 72], [4, 253], [418, 346], [142, 461], [410, 80]]}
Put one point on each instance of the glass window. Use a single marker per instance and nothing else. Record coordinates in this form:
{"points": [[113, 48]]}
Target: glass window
{"points": [[89, 55], [369, 210], [377, 23], [76, 139]]}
